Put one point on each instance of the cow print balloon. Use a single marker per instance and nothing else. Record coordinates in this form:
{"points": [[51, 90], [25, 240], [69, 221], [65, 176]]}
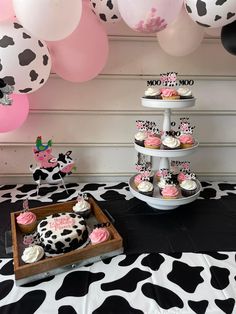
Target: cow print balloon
{"points": [[25, 62], [211, 13], [106, 10]]}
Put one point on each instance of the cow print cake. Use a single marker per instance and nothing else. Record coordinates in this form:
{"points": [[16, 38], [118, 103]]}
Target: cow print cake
{"points": [[62, 232]]}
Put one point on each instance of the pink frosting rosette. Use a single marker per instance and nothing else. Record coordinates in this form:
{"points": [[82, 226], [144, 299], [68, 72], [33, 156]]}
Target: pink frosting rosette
{"points": [[99, 235], [170, 191], [168, 92], [152, 141], [186, 139], [26, 218]]}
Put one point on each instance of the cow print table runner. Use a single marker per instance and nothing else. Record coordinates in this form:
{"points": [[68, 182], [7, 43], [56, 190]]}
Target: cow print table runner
{"points": [[136, 282]]}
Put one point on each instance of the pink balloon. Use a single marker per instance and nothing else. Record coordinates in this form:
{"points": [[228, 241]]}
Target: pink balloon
{"points": [[6, 10], [13, 116], [82, 55]]}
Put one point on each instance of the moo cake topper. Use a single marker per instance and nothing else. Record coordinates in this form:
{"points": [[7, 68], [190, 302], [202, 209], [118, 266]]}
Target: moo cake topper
{"points": [[50, 169], [185, 127], [5, 92], [170, 79]]}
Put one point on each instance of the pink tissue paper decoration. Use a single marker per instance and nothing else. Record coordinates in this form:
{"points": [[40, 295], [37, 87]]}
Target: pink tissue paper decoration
{"points": [[153, 23]]}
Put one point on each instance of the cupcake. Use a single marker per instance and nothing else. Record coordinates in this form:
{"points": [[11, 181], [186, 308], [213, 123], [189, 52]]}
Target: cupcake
{"points": [[152, 93], [170, 191], [186, 140], [184, 93], [99, 235], [32, 254], [153, 142], [171, 142], [140, 137], [145, 188], [169, 94], [27, 222], [188, 187], [82, 207]]}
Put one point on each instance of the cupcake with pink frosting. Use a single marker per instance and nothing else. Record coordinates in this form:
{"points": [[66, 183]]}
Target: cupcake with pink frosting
{"points": [[153, 142], [170, 191], [26, 220], [186, 140], [168, 93], [99, 235]]}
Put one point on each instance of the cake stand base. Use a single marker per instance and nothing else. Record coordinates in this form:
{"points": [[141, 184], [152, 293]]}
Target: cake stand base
{"points": [[162, 207]]}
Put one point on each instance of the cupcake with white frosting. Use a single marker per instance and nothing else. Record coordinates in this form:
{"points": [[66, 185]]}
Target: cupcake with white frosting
{"points": [[152, 93], [145, 188], [171, 142], [188, 187], [184, 93], [140, 137], [82, 207], [32, 254]]}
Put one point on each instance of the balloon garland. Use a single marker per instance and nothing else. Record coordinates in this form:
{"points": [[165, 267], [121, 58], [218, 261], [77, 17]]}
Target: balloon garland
{"points": [[78, 45]]}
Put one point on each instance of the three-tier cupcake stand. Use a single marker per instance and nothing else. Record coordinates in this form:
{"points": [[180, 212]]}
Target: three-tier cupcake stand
{"points": [[156, 201]]}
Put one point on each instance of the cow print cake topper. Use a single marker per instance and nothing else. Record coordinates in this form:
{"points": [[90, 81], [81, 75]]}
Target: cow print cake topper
{"points": [[82, 197], [170, 79], [185, 127]]}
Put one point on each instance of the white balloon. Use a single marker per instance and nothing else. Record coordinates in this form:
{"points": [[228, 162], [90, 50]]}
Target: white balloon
{"points": [[149, 16], [211, 13], [106, 11], [49, 19], [181, 37], [25, 62]]}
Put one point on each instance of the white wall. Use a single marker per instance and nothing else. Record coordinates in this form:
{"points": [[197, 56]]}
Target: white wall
{"points": [[96, 119]]}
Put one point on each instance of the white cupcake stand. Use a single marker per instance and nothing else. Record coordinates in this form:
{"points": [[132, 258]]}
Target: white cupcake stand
{"points": [[156, 201]]}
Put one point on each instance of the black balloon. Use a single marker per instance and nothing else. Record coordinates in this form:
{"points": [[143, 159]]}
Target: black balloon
{"points": [[228, 37]]}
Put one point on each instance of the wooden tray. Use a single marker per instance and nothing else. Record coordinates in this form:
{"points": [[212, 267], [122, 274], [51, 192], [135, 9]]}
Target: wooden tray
{"points": [[25, 273]]}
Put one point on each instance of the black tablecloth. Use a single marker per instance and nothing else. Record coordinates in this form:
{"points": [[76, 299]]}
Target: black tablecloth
{"points": [[204, 225]]}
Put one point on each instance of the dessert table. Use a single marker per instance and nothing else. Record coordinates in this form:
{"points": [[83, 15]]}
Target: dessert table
{"points": [[178, 261]]}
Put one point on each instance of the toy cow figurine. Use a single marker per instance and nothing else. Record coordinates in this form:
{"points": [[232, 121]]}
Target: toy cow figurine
{"points": [[50, 169]]}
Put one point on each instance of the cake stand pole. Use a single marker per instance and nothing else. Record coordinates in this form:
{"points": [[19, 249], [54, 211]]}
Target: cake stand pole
{"points": [[166, 121], [164, 163]]}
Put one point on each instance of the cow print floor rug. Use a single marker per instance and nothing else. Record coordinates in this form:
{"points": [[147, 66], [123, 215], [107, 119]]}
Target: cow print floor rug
{"points": [[146, 281]]}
